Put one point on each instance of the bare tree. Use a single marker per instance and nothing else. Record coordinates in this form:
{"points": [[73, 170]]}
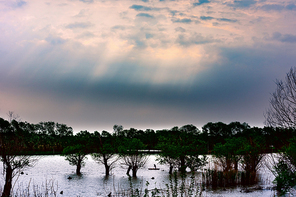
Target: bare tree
{"points": [[12, 148], [282, 111]]}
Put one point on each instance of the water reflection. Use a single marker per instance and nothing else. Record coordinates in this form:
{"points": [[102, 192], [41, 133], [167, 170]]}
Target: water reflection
{"points": [[54, 171]]}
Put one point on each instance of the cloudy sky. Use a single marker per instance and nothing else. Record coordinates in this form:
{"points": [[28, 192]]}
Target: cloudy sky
{"points": [[143, 63]]}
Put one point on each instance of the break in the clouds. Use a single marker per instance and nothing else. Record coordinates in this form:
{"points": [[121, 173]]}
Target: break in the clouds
{"points": [[143, 64]]}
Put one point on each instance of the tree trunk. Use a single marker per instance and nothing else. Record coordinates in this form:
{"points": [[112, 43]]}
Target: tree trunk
{"points": [[8, 180], [128, 170], [182, 168], [135, 169], [78, 168], [171, 169], [107, 169]]}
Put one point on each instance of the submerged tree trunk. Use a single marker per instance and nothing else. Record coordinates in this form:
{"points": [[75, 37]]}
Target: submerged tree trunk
{"points": [[135, 169], [128, 170], [107, 167], [8, 180], [171, 169], [182, 168], [107, 170], [78, 168]]}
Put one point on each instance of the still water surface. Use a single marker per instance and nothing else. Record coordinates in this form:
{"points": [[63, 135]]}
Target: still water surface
{"points": [[53, 171]]}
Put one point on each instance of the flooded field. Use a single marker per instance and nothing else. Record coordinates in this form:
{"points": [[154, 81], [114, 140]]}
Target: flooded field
{"points": [[53, 172]]}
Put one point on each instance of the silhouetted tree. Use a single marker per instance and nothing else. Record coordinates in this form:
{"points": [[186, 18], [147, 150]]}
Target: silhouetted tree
{"points": [[76, 153], [182, 148], [106, 152], [12, 143], [132, 157], [282, 111]]}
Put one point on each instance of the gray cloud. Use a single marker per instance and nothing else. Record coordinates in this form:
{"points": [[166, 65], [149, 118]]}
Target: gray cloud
{"points": [[291, 6], [196, 39], [140, 8], [148, 35], [54, 40], [20, 3], [82, 13], [180, 29], [143, 8], [87, 1], [269, 7], [227, 20], [242, 3], [289, 38], [200, 2], [277, 7], [183, 20], [81, 25], [15, 4], [120, 27], [86, 35], [206, 18], [145, 15]]}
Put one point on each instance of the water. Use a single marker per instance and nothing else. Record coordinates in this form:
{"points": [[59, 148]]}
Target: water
{"points": [[52, 172]]}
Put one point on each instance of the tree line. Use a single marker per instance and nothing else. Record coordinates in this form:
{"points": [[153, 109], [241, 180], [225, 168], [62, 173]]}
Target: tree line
{"points": [[180, 147]]}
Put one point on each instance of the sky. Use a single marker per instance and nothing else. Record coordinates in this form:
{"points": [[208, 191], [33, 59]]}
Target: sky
{"points": [[145, 64]]}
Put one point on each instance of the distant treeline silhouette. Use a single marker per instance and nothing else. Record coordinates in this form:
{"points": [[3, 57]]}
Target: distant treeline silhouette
{"points": [[52, 138]]}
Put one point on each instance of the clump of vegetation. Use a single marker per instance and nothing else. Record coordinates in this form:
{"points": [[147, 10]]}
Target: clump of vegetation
{"points": [[285, 168]]}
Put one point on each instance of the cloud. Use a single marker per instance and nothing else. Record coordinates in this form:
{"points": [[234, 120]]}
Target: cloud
{"points": [[87, 1], [120, 27], [54, 40], [145, 15], [143, 8], [242, 3], [82, 13], [148, 35], [82, 25], [86, 35], [291, 6], [183, 20], [227, 20], [269, 7], [277, 7], [204, 18], [140, 8], [289, 38], [20, 3], [200, 2], [180, 29], [195, 39], [16, 4]]}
